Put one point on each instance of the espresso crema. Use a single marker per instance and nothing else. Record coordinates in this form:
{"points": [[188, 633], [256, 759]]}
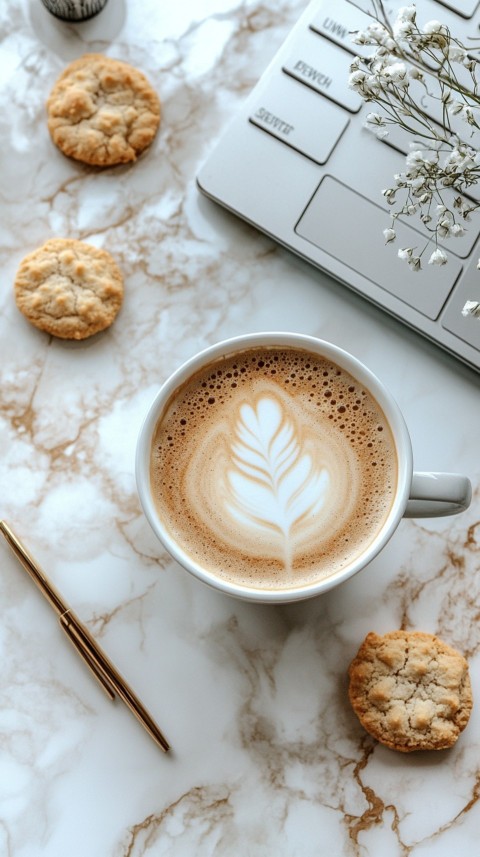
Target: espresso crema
{"points": [[273, 468]]}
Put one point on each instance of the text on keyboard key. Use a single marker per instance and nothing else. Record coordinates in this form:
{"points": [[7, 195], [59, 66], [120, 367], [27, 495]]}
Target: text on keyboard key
{"points": [[350, 228], [292, 114], [339, 20], [323, 67]]}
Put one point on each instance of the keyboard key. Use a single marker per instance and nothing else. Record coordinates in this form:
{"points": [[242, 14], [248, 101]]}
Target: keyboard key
{"points": [[462, 7], [466, 328], [323, 67], [350, 228], [291, 113], [338, 20]]}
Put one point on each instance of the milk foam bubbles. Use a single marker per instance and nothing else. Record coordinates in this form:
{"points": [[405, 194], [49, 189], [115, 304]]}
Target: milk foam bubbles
{"points": [[273, 467]]}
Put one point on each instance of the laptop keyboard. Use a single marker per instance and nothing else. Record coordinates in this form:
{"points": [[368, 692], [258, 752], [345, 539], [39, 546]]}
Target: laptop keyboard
{"points": [[298, 164]]}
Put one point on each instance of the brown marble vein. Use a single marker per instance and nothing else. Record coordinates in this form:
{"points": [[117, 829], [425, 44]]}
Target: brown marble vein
{"points": [[207, 808]]}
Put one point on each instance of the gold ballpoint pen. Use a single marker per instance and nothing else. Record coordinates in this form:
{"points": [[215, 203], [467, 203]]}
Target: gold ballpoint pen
{"points": [[85, 644]]}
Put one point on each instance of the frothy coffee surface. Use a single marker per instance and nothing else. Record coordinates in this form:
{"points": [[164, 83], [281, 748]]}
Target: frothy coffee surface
{"points": [[273, 468]]}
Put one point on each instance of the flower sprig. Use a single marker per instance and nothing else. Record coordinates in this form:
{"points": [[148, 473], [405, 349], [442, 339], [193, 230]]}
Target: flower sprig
{"points": [[424, 81]]}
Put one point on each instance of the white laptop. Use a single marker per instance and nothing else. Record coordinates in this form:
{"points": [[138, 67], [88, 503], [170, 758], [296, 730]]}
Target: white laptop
{"points": [[297, 163]]}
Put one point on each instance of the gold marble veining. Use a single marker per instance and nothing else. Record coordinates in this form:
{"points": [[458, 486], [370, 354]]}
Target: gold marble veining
{"points": [[205, 807], [269, 758], [452, 580], [132, 607]]}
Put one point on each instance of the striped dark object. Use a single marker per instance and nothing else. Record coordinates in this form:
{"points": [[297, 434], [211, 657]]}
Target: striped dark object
{"points": [[74, 10]]}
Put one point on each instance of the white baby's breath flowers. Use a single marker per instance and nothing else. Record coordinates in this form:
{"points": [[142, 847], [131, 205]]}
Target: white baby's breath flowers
{"points": [[434, 28], [411, 76], [438, 257], [409, 256], [457, 54], [471, 308], [376, 123], [389, 235]]}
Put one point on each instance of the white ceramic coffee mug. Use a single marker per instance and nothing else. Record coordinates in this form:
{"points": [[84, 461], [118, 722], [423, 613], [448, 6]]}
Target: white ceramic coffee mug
{"points": [[416, 494]]}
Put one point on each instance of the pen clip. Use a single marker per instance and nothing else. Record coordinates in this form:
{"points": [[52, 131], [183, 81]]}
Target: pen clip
{"points": [[104, 669], [71, 632]]}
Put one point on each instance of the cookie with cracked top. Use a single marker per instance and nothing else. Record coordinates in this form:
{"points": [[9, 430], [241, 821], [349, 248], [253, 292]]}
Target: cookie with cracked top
{"points": [[102, 111], [410, 690], [69, 288]]}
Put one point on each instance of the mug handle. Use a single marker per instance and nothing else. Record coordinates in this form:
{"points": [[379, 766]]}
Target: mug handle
{"points": [[436, 494]]}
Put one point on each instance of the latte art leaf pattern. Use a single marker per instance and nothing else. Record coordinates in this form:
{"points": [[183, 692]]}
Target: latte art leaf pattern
{"points": [[273, 485]]}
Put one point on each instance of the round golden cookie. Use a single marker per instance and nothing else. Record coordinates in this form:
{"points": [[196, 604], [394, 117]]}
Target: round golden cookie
{"points": [[69, 289], [102, 111], [410, 690]]}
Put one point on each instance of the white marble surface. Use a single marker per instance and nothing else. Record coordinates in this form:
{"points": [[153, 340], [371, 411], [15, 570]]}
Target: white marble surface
{"points": [[268, 757]]}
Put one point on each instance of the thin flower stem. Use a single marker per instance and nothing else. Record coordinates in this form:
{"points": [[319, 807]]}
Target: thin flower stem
{"points": [[446, 162]]}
